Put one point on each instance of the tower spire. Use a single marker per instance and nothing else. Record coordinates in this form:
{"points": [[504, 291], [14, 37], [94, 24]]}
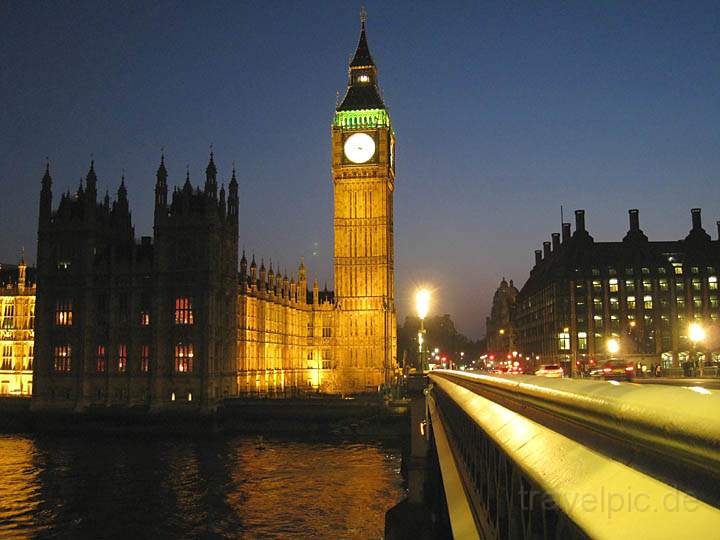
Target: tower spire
{"points": [[362, 92]]}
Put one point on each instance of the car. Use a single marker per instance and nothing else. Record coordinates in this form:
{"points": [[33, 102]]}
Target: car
{"points": [[500, 370], [550, 370], [618, 369]]}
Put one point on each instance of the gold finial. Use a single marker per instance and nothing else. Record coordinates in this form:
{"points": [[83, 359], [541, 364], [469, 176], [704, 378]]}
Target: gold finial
{"points": [[363, 16]]}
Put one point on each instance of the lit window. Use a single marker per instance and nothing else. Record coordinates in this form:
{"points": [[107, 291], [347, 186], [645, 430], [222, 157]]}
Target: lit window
{"points": [[630, 285], [564, 341], [695, 270], [145, 318], [712, 283], [597, 286], [7, 357], [363, 78], [326, 359], [645, 270], [62, 358], [613, 285], [122, 358], [647, 285], [663, 284], [172, 396], [63, 313], [677, 267], [9, 316], [189, 396], [183, 311], [631, 302], [100, 359], [647, 301], [582, 341], [696, 284], [145, 358], [679, 285], [713, 302], [680, 301], [184, 358], [697, 302], [614, 303]]}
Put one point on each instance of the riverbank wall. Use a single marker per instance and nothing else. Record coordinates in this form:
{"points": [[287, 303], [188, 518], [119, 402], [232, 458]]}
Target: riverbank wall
{"points": [[365, 416]]}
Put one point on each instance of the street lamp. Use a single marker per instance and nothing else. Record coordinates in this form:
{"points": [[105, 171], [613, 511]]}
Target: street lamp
{"points": [[613, 346], [696, 333], [422, 306]]}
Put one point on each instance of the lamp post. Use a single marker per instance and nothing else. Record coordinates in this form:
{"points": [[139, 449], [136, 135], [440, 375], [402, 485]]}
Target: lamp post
{"points": [[696, 333], [422, 306]]}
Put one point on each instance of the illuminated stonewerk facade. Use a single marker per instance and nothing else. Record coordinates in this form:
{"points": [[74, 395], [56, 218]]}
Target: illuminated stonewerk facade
{"points": [[17, 329], [170, 320], [644, 294]]}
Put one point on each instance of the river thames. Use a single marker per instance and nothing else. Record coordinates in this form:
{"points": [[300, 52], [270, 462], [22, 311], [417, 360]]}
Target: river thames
{"points": [[147, 486]]}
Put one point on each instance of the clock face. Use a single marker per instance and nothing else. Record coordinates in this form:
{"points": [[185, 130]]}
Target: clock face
{"points": [[359, 147]]}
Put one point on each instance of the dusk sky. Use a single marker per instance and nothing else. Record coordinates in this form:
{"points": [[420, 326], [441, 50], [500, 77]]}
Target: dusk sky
{"points": [[503, 112]]}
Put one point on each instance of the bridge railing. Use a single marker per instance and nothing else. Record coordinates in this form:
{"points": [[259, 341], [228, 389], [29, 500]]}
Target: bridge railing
{"points": [[542, 458]]}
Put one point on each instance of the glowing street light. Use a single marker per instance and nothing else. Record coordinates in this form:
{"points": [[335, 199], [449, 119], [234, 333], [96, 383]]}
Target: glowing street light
{"points": [[422, 306], [613, 346], [422, 303], [696, 333]]}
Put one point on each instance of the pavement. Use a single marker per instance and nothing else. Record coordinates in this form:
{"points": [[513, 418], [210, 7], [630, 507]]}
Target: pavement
{"points": [[710, 383]]}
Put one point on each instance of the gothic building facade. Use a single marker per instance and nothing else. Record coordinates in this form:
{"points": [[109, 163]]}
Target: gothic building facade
{"points": [[499, 330], [177, 319], [17, 328]]}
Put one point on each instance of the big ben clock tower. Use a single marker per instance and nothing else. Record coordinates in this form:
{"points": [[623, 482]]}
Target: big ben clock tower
{"points": [[363, 165]]}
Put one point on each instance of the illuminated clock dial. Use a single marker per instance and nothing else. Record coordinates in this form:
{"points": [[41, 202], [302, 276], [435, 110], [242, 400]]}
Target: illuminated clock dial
{"points": [[359, 147]]}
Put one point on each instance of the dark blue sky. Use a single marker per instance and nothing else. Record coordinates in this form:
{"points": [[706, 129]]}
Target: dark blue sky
{"points": [[503, 112]]}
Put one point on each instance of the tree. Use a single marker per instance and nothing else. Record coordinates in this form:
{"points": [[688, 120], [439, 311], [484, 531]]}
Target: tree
{"points": [[441, 334]]}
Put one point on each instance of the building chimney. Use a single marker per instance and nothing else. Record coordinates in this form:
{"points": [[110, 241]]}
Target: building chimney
{"points": [[555, 241], [634, 219], [565, 232], [696, 220], [546, 249], [580, 221], [538, 256], [718, 227]]}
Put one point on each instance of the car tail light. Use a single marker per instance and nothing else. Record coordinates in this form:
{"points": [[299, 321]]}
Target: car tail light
{"points": [[629, 368]]}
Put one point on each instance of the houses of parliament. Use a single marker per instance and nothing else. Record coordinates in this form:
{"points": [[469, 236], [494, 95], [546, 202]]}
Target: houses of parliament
{"points": [[184, 318]]}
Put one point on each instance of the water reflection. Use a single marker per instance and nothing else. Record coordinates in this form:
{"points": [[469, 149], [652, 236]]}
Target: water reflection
{"points": [[129, 486]]}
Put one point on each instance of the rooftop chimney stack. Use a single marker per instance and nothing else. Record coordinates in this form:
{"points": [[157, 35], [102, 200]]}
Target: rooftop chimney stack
{"points": [[538, 256], [555, 241], [580, 221], [696, 220], [565, 232], [634, 219], [546, 249], [718, 228]]}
